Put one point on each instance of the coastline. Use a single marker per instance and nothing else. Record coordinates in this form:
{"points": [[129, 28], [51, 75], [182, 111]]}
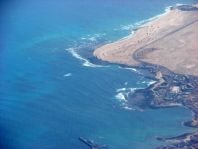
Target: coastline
{"points": [[140, 24], [154, 47], [155, 36]]}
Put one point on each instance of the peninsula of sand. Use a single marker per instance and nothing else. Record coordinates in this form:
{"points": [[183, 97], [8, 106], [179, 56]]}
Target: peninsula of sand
{"points": [[170, 40]]}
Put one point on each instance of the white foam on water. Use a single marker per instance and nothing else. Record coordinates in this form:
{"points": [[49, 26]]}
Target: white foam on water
{"points": [[134, 26], [94, 37], [129, 68], [86, 63], [67, 75], [128, 108], [127, 27], [124, 93], [121, 90], [86, 41], [89, 38], [132, 69], [127, 90], [121, 97]]}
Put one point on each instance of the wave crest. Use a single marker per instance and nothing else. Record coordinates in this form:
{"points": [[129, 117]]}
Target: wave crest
{"points": [[135, 26], [85, 61], [123, 95]]}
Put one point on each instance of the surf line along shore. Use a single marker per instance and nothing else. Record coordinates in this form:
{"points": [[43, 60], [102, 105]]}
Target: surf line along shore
{"points": [[167, 47]]}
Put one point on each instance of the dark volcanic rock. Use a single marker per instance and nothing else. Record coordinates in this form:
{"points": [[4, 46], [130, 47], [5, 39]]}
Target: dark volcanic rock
{"points": [[187, 8], [170, 90]]}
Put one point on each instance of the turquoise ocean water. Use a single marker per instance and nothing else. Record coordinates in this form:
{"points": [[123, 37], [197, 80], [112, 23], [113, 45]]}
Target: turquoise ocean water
{"points": [[50, 94]]}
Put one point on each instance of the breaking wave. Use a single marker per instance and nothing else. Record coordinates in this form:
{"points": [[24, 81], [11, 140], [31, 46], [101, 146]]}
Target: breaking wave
{"points": [[83, 48], [85, 61], [132, 69], [132, 27], [122, 95]]}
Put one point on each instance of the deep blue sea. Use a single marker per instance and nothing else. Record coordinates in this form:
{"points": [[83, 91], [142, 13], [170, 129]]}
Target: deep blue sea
{"points": [[51, 94]]}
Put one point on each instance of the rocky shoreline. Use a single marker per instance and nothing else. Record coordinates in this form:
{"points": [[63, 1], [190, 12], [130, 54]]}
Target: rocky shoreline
{"points": [[171, 90], [175, 86]]}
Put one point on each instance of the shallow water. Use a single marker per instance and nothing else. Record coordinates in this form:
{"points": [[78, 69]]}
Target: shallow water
{"points": [[49, 95]]}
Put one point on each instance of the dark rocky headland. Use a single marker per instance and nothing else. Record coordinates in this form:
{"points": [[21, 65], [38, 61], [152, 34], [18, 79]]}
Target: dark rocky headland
{"points": [[167, 48]]}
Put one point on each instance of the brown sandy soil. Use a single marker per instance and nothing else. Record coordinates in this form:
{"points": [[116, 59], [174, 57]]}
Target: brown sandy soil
{"points": [[170, 40]]}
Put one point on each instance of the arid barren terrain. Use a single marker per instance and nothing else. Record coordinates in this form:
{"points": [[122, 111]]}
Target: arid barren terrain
{"points": [[169, 41], [168, 48]]}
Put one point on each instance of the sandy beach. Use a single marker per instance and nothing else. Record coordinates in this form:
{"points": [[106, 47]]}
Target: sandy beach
{"points": [[167, 47], [169, 41]]}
